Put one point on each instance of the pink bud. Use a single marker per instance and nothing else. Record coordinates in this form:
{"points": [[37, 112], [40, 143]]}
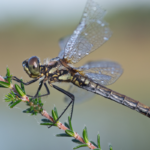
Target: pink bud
{"points": [[1, 78]]}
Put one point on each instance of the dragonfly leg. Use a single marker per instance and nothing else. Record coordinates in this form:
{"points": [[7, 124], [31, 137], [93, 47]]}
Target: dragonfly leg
{"points": [[36, 95], [27, 83], [72, 101], [40, 86]]}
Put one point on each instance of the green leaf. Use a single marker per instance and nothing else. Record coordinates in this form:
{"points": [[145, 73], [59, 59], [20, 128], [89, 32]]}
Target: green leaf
{"points": [[62, 135], [54, 115], [22, 86], [70, 125], [39, 100], [69, 132], [82, 145], [10, 103], [31, 108], [34, 113], [98, 141], [86, 131], [76, 141], [45, 120], [47, 124], [94, 143], [7, 100], [56, 111], [85, 135], [66, 124], [15, 103], [10, 97], [4, 84], [110, 147], [8, 75], [19, 90], [97, 149], [28, 110]]}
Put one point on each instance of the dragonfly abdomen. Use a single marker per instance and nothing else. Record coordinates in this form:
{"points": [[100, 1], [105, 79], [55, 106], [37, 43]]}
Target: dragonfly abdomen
{"points": [[94, 87]]}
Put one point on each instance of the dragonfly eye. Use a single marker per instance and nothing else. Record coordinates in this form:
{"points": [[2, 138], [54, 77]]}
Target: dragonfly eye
{"points": [[33, 65]]}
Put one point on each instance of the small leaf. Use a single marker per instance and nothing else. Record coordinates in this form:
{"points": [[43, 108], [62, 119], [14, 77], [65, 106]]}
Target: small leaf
{"points": [[85, 135], [86, 132], [4, 84], [82, 145], [7, 100], [56, 111], [47, 124], [98, 141], [10, 103], [19, 90], [22, 86], [28, 110], [110, 147], [97, 149], [45, 120], [69, 132], [8, 75], [62, 135], [31, 108], [66, 124], [93, 143], [34, 113], [39, 100], [15, 103], [70, 125], [54, 115], [76, 141]]}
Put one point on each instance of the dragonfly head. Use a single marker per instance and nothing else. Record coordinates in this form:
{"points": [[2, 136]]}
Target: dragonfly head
{"points": [[32, 66]]}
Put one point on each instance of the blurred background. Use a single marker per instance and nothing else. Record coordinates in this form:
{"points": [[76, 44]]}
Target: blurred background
{"points": [[31, 27]]}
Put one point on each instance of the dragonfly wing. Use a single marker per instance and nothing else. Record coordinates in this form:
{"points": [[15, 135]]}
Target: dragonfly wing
{"points": [[62, 44], [102, 72], [80, 94], [90, 34]]}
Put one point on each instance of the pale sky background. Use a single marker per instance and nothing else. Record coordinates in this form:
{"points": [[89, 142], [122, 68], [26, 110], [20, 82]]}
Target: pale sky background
{"points": [[45, 10]]}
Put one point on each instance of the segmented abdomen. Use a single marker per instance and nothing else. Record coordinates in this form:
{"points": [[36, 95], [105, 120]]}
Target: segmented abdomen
{"points": [[91, 86]]}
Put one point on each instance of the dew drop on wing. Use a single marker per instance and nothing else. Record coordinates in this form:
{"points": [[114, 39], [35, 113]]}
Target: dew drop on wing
{"points": [[103, 24], [102, 82], [112, 72], [106, 39], [99, 22]]}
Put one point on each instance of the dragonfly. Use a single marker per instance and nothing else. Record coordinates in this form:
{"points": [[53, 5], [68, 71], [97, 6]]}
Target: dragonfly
{"points": [[89, 35]]}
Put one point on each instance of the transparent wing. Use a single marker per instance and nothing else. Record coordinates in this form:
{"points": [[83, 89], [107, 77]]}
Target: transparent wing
{"points": [[102, 72], [62, 44], [80, 94], [90, 34]]}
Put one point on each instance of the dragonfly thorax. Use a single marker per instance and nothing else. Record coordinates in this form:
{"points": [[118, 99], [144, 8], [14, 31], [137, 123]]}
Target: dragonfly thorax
{"points": [[56, 72]]}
